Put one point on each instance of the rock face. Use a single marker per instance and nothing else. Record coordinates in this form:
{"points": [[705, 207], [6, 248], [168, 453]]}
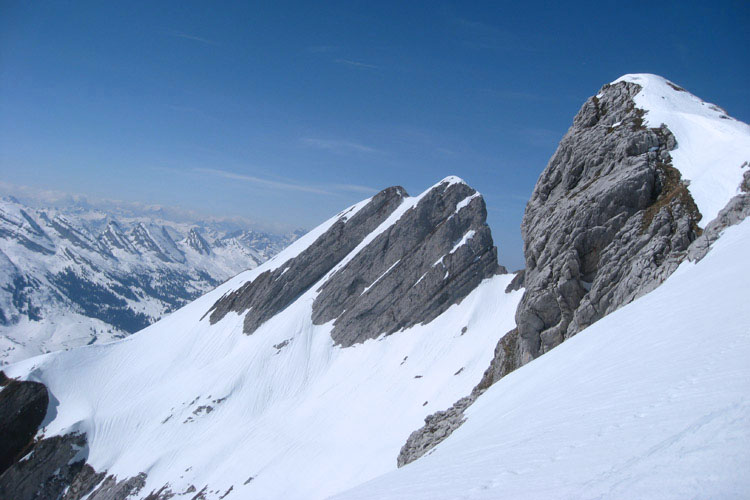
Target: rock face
{"points": [[52, 466], [431, 258], [22, 409], [423, 261], [733, 213], [273, 290], [609, 220], [48, 468]]}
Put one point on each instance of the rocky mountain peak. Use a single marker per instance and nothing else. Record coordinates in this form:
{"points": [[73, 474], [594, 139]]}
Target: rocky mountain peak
{"points": [[197, 242], [430, 258], [392, 263], [611, 217], [114, 237]]}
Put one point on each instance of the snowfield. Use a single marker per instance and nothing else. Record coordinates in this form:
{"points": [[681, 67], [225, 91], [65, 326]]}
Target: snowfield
{"points": [[653, 401], [281, 413], [713, 149]]}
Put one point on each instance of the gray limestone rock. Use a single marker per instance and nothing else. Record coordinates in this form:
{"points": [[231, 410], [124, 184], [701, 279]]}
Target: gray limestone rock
{"points": [[432, 257], [735, 211], [517, 282], [438, 426], [409, 274], [609, 220], [272, 291]]}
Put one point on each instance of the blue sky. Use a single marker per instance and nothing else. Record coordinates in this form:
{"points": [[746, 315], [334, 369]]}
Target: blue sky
{"points": [[286, 112]]}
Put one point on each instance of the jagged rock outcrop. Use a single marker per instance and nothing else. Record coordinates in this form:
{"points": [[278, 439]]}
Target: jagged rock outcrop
{"points": [[609, 220], [733, 213], [437, 427], [47, 468], [431, 257], [198, 243], [272, 291], [23, 405]]}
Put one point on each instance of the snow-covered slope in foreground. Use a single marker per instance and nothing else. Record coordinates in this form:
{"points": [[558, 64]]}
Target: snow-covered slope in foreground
{"points": [[712, 147], [283, 412], [653, 401]]}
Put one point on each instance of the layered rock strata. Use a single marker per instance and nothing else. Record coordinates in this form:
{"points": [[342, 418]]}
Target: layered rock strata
{"points": [[609, 220], [380, 270]]}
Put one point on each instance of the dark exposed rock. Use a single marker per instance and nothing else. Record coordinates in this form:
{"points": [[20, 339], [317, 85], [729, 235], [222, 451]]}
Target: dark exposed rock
{"points": [[269, 293], [56, 468], [414, 270], [735, 211], [609, 220], [517, 282], [429, 259], [23, 406], [83, 483], [112, 489], [50, 468], [198, 243], [47, 472]]}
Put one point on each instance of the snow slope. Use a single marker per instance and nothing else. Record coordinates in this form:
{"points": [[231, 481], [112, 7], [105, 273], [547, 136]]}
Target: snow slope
{"points": [[712, 148], [281, 413], [653, 401]]}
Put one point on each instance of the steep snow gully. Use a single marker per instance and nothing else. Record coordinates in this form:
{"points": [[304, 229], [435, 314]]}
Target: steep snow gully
{"points": [[304, 377]]}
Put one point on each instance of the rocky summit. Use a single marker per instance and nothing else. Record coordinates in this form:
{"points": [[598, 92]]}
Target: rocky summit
{"points": [[610, 218], [384, 269]]}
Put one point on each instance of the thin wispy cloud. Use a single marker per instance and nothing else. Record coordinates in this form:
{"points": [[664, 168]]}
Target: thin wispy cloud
{"points": [[338, 146], [329, 52], [355, 64], [287, 185], [354, 188], [187, 36], [259, 181]]}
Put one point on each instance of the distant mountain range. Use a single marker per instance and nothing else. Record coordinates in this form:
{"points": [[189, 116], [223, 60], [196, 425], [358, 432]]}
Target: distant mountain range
{"points": [[79, 275]]}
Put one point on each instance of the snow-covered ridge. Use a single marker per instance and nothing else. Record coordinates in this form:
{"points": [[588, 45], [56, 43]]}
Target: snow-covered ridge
{"points": [[713, 149], [283, 412]]}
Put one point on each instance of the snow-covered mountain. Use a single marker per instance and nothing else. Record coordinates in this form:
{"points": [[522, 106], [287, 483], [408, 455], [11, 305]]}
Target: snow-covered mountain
{"points": [[652, 401], [310, 375], [78, 276]]}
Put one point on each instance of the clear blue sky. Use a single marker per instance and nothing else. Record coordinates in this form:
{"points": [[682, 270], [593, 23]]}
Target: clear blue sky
{"points": [[286, 112]]}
